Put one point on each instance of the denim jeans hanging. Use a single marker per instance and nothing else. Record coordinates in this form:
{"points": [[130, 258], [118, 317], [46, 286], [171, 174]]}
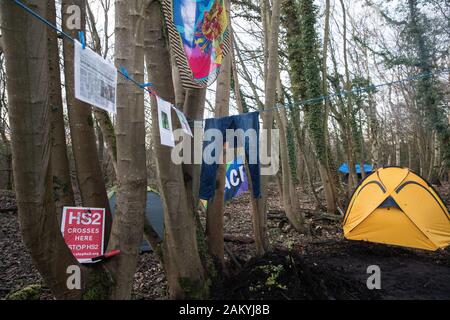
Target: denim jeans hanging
{"points": [[246, 121]]}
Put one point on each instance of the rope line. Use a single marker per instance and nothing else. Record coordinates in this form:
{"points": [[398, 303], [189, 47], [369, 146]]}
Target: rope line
{"points": [[121, 70], [145, 86]]}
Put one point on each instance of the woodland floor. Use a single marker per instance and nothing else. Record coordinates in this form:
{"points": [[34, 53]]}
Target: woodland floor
{"points": [[323, 266]]}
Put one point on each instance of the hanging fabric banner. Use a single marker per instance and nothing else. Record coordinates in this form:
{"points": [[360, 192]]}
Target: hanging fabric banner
{"points": [[236, 181], [165, 123], [199, 37], [95, 79]]}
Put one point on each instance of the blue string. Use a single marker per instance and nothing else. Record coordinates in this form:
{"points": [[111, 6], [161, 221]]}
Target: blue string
{"points": [[123, 72], [362, 89], [144, 86], [82, 39], [42, 19]]}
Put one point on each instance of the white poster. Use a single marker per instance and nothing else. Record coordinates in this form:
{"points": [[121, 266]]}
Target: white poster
{"points": [[95, 79], [184, 123], [165, 123]]}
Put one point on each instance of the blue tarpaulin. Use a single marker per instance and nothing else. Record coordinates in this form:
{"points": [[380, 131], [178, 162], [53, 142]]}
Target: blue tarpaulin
{"points": [[345, 169]]}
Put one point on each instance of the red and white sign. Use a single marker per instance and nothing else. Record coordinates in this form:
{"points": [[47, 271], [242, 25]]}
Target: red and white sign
{"points": [[83, 230]]}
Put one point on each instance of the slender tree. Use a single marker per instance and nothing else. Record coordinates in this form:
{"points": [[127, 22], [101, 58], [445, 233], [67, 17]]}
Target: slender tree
{"points": [[128, 224], [84, 145], [290, 199], [30, 118], [181, 251], [62, 184], [308, 64], [215, 210]]}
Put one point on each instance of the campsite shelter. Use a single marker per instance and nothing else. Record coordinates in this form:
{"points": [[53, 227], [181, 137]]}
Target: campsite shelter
{"points": [[396, 206], [345, 170], [154, 212]]}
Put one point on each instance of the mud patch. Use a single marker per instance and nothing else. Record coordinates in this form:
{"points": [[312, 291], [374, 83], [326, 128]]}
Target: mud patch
{"points": [[282, 275]]}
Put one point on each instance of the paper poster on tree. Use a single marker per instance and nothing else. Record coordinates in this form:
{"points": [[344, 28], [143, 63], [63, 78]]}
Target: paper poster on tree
{"points": [[184, 123], [83, 231], [95, 79], [165, 123]]}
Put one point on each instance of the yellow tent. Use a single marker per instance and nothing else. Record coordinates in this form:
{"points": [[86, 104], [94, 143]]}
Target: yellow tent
{"points": [[396, 206]]}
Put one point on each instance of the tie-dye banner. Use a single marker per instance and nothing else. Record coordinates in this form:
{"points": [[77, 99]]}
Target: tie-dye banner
{"points": [[200, 38]]}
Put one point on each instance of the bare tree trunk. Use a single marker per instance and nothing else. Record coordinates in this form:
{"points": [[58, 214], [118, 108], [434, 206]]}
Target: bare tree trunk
{"points": [[182, 263], [89, 173], [62, 184], [29, 115], [215, 210], [236, 84], [100, 146], [193, 107], [372, 120], [258, 228], [397, 149], [362, 153], [353, 177], [128, 225], [433, 169], [180, 92], [288, 193], [299, 137], [101, 116], [108, 133], [260, 221], [325, 172], [436, 172]]}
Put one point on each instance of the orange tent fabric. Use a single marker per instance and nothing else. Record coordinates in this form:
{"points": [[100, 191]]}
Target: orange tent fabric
{"points": [[396, 206]]}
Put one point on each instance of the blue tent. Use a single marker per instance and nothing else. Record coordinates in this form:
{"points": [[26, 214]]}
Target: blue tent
{"points": [[344, 169], [154, 212]]}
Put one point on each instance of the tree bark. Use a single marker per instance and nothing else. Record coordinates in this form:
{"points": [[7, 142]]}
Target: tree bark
{"points": [[182, 262], [30, 119], [353, 177], [258, 228], [101, 116], [290, 200], [62, 184], [89, 173], [215, 210], [271, 67], [326, 175], [128, 225]]}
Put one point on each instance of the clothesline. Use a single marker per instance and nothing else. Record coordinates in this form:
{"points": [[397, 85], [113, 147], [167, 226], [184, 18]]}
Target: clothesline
{"points": [[353, 91], [145, 86], [121, 70], [365, 89]]}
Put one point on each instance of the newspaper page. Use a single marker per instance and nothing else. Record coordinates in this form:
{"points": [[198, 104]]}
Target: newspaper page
{"points": [[95, 79]]}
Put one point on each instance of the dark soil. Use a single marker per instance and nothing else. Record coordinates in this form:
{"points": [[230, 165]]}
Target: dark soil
{"points": [[17, 270], [323, 266], [281, 275], [405, 273]]}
